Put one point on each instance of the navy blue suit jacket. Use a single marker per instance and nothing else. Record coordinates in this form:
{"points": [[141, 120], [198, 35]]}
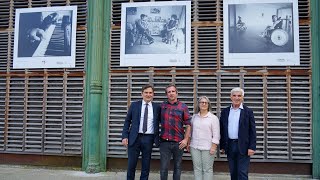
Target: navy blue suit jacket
{"points": [[247, 130], [132, 122]]}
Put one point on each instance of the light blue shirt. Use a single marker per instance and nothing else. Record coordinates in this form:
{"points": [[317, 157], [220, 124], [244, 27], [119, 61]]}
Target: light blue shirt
{"points": [[233, 122]]}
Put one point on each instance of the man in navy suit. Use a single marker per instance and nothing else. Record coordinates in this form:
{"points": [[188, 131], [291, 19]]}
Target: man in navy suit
{"points": [[238, 135], [140, 132]]}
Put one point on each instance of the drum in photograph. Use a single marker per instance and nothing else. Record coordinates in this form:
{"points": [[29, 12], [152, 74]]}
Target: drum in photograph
{"points": [[279, 37]]}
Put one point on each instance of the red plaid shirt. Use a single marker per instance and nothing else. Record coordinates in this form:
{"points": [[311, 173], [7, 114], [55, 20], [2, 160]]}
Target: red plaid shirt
{"points": [[173, 117]]}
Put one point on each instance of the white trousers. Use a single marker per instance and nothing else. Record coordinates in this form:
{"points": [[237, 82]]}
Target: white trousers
{"points": [[202, 164]]}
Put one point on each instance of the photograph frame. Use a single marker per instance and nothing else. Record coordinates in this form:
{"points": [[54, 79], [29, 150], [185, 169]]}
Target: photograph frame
{"points": [[45, 37], [142, 54], [274, 47]]}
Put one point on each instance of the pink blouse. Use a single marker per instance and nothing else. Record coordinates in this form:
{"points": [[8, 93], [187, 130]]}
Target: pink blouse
{"points": [[205, 131]]}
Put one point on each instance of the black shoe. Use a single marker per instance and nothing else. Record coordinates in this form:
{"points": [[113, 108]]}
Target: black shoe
{"points": [[151, 42]]}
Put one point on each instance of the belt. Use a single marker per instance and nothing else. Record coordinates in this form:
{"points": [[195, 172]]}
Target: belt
{"points": [[141, 134], [233, 140], [166, 140]]}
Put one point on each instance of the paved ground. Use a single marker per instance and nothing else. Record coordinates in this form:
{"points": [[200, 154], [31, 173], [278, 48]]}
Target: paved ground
{"points": [[10, 172]]}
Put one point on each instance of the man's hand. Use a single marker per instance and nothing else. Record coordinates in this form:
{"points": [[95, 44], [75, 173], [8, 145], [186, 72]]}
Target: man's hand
{"points": [[250, 152], [125, 142], [183, 143]]}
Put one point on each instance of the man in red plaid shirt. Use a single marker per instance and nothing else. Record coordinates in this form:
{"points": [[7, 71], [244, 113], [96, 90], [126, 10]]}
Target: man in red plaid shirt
{"points": [[174, 136]]}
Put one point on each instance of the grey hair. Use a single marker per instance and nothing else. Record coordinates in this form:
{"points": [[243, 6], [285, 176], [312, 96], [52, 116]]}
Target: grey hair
{"points": [[237, 89], [197, 110]]}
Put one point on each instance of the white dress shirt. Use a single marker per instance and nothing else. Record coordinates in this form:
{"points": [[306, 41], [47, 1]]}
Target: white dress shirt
{"points": [[150, 129], [205, 131], [233, 122]]}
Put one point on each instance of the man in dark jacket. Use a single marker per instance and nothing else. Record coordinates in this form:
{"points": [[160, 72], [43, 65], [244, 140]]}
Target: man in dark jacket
{"points": [[140, 132], [238, 135]]}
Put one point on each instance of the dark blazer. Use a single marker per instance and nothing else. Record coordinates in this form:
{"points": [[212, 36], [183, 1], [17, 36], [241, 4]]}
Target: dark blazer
{"points": [[247, 130], [132, 122]]}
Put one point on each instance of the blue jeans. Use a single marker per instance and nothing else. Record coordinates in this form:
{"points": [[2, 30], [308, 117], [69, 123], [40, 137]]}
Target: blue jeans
{"points": [[166, 150]]}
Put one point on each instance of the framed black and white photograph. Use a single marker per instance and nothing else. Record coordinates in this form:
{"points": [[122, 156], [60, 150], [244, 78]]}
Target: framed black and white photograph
{"points": [[261, 33], [156, 34], [45, 37]]}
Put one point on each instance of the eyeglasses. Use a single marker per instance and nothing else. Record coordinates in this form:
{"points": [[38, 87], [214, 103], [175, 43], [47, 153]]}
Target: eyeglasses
{"points": [[202, 102]]}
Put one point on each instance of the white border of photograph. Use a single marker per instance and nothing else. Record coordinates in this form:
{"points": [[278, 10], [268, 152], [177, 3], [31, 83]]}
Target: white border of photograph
{"points": [[265, 58], [42, 61], [158, 58]]}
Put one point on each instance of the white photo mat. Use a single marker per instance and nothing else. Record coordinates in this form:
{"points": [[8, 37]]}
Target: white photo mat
{"points": [[45, 37], [261, 33], [158, 49]]}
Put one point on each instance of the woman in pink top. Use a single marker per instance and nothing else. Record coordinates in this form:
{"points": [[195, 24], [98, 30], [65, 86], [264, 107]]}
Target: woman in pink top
{"points": [[205, 138]]}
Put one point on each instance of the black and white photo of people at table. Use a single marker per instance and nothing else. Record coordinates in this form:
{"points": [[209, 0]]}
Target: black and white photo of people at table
{"points": [[156, 30], [155, 34]]}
